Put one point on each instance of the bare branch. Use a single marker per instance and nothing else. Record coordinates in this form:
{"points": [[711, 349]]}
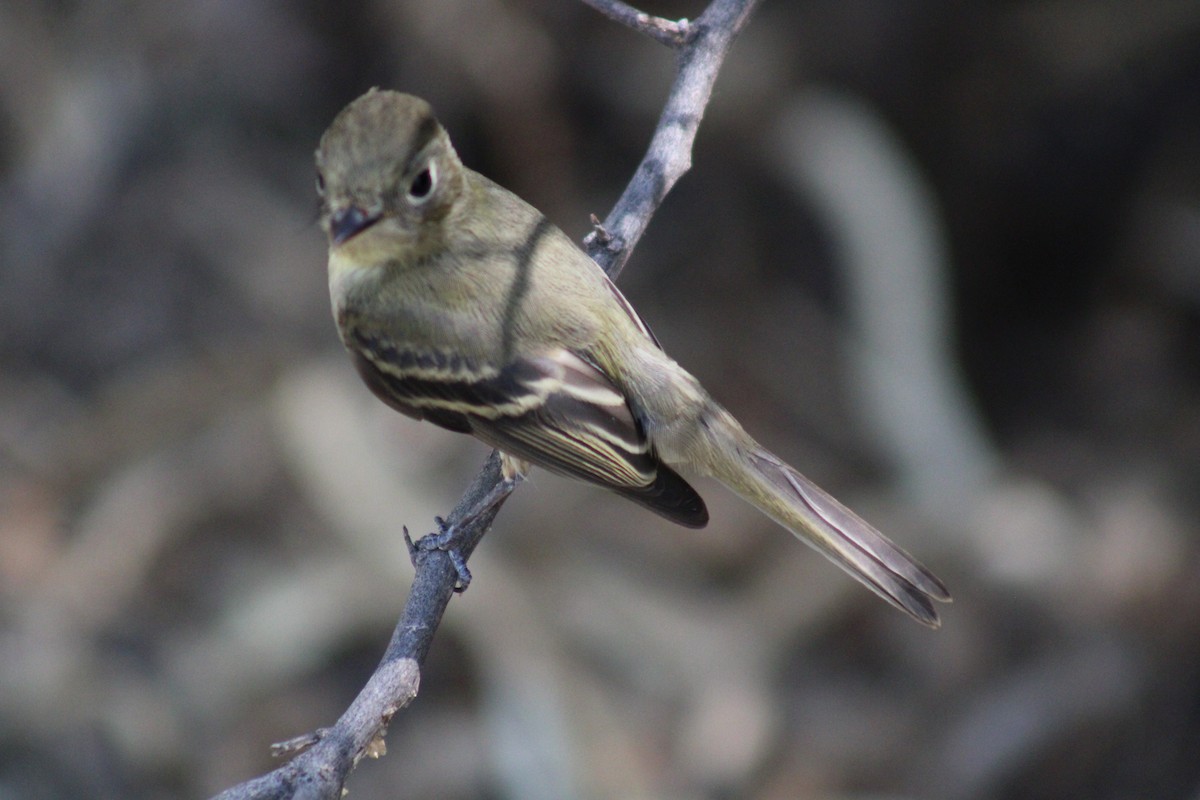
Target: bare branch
{"points": [[329, 755], [669, 156], [665, 31], [321, 770]]}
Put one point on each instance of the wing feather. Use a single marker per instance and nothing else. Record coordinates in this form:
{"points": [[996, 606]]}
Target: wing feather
{"points": [[556, 410]]}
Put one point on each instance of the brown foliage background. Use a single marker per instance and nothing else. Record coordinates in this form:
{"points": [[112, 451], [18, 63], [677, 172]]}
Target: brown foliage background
{"points": [[200, 507]]}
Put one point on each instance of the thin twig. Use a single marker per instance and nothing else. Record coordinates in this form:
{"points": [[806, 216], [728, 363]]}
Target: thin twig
{"points": [[320, 771], [670, 153], [664, 31]]}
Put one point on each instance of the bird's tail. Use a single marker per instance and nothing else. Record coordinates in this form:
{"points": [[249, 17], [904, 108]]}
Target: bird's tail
{"points": [[817, 519]]}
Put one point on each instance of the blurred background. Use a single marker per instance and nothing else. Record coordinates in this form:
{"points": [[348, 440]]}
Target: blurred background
{"points": [[943, 257]]}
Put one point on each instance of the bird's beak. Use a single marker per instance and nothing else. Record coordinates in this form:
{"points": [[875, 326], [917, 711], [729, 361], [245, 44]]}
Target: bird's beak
{"points": [[349, 222]]}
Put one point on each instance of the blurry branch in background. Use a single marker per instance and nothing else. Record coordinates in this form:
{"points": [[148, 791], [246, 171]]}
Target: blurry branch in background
{"points": [[329, 754], [887, 229]]}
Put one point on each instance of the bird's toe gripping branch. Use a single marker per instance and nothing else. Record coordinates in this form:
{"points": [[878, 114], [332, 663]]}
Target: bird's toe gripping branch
{"points": [[446, 538], [450, 536]]}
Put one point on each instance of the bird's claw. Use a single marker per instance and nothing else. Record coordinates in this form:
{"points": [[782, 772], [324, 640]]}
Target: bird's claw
{"points": [[445, 538]]}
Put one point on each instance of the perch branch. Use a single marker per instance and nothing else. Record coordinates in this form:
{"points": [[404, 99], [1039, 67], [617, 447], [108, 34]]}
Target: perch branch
{"points": [[325, 758], [670, 153]]}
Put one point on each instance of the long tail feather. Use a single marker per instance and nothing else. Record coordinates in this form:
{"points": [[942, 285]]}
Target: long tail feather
{"points": [[822, 522]]}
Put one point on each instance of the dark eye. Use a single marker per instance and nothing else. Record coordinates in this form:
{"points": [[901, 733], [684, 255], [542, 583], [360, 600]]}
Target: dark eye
{"points": [[422, 185], [320, 183]]}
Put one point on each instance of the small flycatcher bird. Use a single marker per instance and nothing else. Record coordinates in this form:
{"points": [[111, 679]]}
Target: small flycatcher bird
{"points": [[462, 305]]}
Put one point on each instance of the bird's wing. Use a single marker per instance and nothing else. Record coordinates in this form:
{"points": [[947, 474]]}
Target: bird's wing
{"points": [[630, 311], [556, 410]]}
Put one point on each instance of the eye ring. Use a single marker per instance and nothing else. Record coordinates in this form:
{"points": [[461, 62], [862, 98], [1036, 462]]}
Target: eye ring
{"points": [[422, 186]]}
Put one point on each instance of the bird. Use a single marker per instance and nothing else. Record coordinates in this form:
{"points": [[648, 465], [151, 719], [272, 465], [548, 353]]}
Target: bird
{"points": [[462, 305]]}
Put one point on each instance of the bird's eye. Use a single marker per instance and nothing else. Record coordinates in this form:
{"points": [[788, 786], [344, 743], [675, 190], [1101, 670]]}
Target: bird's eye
{"points": [[320, 183], [422, 185]]}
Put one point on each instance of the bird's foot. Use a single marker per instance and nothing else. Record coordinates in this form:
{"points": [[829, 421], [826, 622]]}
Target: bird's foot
{"points": [[446, 538]]}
